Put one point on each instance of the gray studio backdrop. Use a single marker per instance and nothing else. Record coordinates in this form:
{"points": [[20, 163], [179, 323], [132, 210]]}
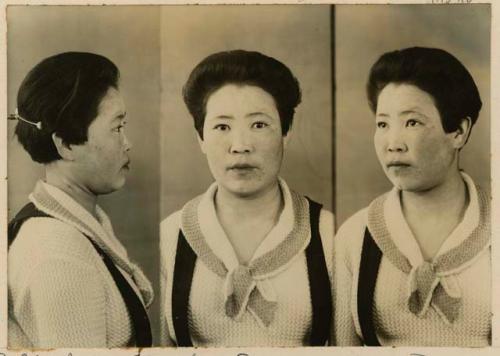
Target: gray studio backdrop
{"points": [[129, 36], [362, 34]]}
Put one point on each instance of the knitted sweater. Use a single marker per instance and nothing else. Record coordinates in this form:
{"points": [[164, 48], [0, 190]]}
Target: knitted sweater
{"points": [[208, 323], [61, 293], [395, 324]]}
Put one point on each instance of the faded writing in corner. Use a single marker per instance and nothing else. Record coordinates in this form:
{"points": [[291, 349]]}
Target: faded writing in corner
{"points": [[451, 1]]}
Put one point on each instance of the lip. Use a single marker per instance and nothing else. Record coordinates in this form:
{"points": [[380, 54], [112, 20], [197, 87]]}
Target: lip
{"points": [[241, 167], [126, 165], [397, 164]]}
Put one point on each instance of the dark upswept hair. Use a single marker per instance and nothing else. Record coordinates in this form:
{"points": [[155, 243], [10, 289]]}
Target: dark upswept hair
{"points": [[241, 67], [434, 71], [63, 92]]}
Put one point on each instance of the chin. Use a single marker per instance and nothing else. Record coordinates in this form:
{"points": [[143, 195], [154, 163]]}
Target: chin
{"points": [[412, 186], [110, 188], [242, 190]]}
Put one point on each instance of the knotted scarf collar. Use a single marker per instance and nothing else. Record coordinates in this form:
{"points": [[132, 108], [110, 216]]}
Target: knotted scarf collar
{"points": [[58, 204], [433, 283], [246, 287]]}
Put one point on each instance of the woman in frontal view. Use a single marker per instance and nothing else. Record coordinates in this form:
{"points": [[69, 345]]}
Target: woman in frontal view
{"points": [[247, 263], [413, 268], [70, 281]]}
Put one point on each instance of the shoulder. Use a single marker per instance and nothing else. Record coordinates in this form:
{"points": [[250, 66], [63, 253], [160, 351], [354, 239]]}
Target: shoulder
{"points": [[326, 219], [42, 237], [46, 246], [349, 237], [170, 226], [169, 232], [354, 224], [326, 227]]}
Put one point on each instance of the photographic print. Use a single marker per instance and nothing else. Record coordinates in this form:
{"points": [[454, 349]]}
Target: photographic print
{"points": [[256, 176]]}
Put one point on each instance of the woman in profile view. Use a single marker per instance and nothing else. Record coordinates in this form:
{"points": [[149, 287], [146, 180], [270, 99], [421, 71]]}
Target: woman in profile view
{"points": [[70, 281]]}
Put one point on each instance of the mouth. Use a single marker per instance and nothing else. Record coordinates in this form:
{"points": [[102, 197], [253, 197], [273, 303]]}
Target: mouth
{"points": [[397, 164], [241, 167], [126, 165]]}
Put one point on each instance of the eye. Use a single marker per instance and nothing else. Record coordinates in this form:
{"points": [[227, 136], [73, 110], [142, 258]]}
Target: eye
{"points": [[221, 127], [381, 124], [259, 125], [412, 123], [118, 128]]}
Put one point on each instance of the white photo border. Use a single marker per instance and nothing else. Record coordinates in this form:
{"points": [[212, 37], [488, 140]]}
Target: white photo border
{"points": [[414, 351]]}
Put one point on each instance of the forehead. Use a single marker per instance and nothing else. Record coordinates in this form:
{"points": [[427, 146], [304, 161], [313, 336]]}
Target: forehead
{"points": [[111, 105], [404, 97], [238, 98]]}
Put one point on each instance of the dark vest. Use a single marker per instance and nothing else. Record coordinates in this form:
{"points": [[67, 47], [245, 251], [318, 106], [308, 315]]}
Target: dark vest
{"points": [[319, 283], [137, 312], [371, 256]]}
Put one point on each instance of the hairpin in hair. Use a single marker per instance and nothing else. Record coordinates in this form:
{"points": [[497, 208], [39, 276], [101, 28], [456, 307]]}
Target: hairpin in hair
{"points": [[16, 116]]}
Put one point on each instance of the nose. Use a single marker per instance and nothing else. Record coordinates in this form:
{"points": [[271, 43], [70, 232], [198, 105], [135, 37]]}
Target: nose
{"points": [[240, 142], [127, 145], [396, 141]]}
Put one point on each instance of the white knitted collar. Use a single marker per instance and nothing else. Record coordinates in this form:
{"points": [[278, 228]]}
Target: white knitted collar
{"points": [[60, 205], [432, 283], [240, 281], [217, 239], [404, 239]]}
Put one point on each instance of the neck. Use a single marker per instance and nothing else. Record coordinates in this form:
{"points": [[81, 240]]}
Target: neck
{"points": [[267, 203], [59, 177], [450, 196]]}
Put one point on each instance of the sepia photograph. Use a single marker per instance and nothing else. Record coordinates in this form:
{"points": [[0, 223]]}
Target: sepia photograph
{"points": [[256, 176]]}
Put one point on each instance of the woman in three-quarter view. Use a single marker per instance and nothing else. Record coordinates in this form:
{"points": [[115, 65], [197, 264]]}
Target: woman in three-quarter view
{"points": [[70, 281], [413, 268], [247, 263]]}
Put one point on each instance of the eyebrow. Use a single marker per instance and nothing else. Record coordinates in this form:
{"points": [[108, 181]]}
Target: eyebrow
{"points": [[414, 111], [119, 116], [257, 113], [249, 115], [222, 116]]}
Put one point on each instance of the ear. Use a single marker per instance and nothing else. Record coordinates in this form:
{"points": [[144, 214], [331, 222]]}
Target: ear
{"points": [[286, 140], [63, 149], [201, 143], [461, 135]]}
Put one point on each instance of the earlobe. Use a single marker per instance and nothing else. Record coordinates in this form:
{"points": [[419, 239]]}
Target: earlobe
{"points": [[62, 148], [201, 143], [286, 140], [463, 132]]}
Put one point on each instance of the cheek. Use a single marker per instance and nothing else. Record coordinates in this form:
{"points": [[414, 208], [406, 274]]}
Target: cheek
{"points": [[378, 144], [433, 150], [272, 149]]}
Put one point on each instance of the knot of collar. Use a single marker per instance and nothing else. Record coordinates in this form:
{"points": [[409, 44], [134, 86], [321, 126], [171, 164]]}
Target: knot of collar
{"points": [[427, 287], [243, 292]]}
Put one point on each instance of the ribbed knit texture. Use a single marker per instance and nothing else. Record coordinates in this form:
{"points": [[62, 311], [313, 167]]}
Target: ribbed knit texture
{"points": [[463, 270], [60, 292], [208, 322]]}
